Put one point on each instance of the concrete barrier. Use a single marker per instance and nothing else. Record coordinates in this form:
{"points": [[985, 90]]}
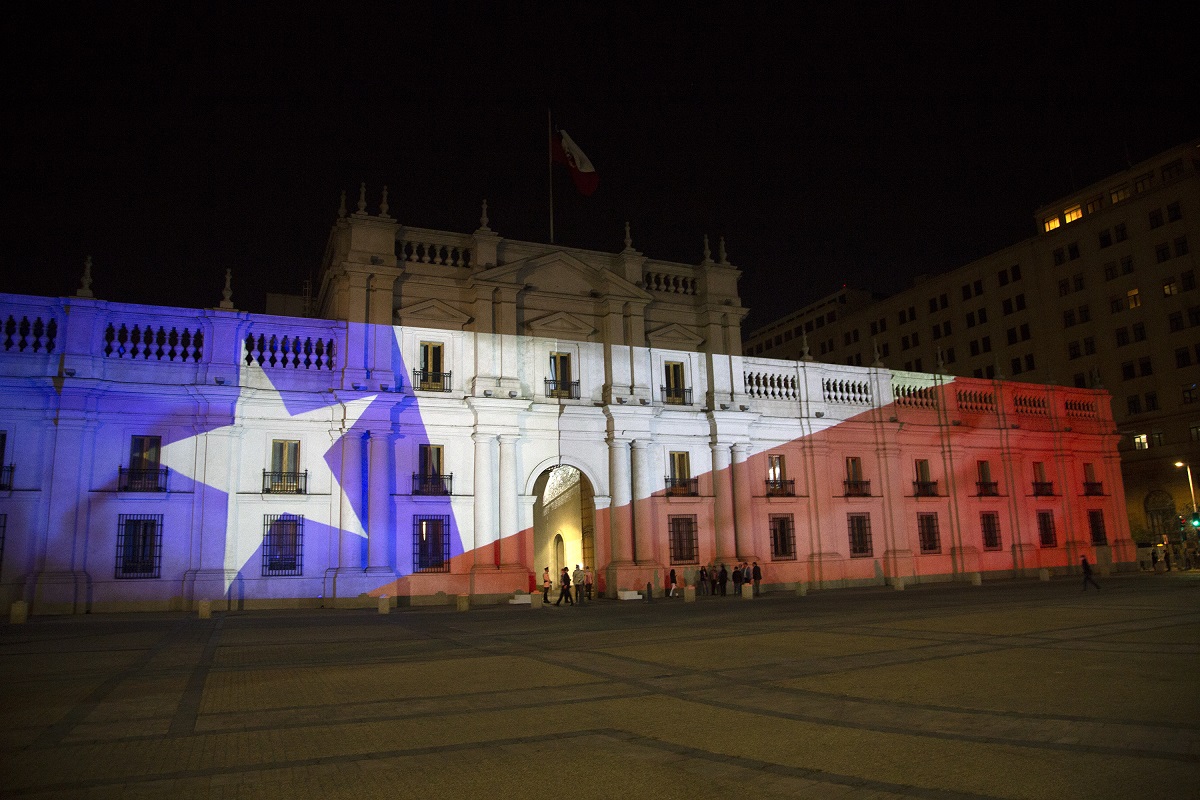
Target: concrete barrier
{"points": [[747, 591], [898, 584], [689, 594], [18, 613], [204, 609], [463, 602], [628, 594], [385, 604], [976, 579], [1043, 574], [536, 600], [801, 589]]}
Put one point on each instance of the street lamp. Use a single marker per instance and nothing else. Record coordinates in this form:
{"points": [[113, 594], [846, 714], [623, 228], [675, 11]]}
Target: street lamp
{"points": [[1191, 489]]}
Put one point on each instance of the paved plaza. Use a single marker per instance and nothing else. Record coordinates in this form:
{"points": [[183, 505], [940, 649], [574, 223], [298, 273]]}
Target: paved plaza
{"points": [[1014, 689]]}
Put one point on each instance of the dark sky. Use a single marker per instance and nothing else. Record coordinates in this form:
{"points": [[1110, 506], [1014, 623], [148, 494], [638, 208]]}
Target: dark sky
{"points": [[857, 145]]}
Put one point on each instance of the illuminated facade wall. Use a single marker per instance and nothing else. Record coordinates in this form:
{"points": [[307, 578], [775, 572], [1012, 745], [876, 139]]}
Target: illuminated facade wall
{"points": [[162, 456]]}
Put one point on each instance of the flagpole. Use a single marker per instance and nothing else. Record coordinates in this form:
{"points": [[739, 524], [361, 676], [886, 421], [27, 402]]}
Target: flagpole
{"points": [[550, 169]]}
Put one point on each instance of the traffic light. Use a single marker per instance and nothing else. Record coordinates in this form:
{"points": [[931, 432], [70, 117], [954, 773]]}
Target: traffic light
{"points": [[1196, 519]]}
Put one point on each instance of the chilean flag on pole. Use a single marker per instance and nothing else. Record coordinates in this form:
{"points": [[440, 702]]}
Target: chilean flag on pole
{"points": [[564, 150]]}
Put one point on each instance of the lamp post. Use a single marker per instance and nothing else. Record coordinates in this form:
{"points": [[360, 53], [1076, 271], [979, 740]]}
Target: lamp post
{"points": [[1191, 489]]}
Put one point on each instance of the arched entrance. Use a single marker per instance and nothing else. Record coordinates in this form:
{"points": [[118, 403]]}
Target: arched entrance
{"points": [[564, 520], [1161, 517]]}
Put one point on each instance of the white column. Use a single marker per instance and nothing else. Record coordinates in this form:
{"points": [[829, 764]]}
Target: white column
{"points": [[380, 480], [508, 501], [620, 512], [484, 500], [643, 528], [350, 549], [723, 520], [743, 524]]}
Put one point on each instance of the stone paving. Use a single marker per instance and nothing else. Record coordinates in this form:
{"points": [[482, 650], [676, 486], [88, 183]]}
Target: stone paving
{"points": [[1012, 689]]}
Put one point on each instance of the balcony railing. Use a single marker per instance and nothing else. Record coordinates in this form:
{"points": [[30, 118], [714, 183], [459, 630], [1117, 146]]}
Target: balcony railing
{"points": [[1043, 488], [428, 381], [1093, 488], [6, 478], [987, 488], [153, 479], [682, 487], [432, 484], [858, 488], [781, 488], [925, 488], [563, 390], [675, 395], [285, 482]]}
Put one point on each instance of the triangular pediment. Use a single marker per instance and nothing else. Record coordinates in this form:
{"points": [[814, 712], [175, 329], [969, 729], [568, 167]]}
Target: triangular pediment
{"points": [[560, 324], [674, 337], [432, 314], [561, 274]]}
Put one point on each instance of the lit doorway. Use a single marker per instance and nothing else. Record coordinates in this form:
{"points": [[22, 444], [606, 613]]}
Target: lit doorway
{"points": [[564, 521]]}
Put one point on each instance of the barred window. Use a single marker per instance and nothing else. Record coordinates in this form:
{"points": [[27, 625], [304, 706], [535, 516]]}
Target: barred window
{"points": [[783, 537], [1047, 536], [1096, 526], [431, 543], [989, 524], [139, 546], [683, 539], [3, 527], [860, 535], [927, 531], [283, 545]]}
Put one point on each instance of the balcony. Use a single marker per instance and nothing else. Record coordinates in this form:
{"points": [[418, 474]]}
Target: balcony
{"points": [[1093, 488], [285, 482], [675, 395], [562, 390], [433, 484], [925, 488], [987, 488], [6, 478], [428, 381], [682, 487], [858, 488], [1043, 489], [781, 488], [153, 479]]}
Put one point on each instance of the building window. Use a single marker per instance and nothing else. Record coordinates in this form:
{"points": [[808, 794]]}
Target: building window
{"points": [[1073, 350], [1152, 401], [1190, 394], [1073, 250], [1047, 537], [1188, 280], [283, 545], [139, 546], [674, 391], [927, 533], [1139, 331], [984, 483], [989, 526], [1143, 182], [680, 482], [1175, 321], [285, 476], [1089, 345], [1156, 218], [1162, 252], [6, 470], [560, 384], [1073, 213], [1069, 318], [1105, 238], [430, 477], [1050, 223], [684, 549], [923, 484], [1183, 357], [860, 535], [431, 543], [1173, 212], [1156, 439], [856, 486], [143, 473], [1096, 527], [1133, 404], [1141, 441], [1145, 366], [432, 375], [1194, 429], [778, 484], [1095, 204], [1041, 486], [783, 537], [1119, 232], [1181, 246], [1133, 299]]}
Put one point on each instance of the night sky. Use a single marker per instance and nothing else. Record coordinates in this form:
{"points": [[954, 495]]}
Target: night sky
{"points": [[857, 145]]}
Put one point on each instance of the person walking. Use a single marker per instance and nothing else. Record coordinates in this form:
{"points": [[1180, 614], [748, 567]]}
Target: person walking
{"points": [[546, 584], [756, 576], [1087, 574], [587, 582], [703, 580], [564, 590], [671, 593], [577, 577], [722, 578]]}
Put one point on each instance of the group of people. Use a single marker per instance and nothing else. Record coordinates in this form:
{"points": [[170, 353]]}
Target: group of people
{"points": [[581, 578], [715, 581]]}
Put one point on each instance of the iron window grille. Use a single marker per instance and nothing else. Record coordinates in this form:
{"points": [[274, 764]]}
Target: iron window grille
{"points": [[989, 525], [676, 395], [858, 488], [1047, 537], [1093, 489], [927, 532], [285, 482], [3, 528], [925, 488], [860, 535], [153, 479], [283, 545], [432, 483], [1096, 526], [781, 488], [987, 488], [684, 549], [783, 537], [563, 390], [1043, 488], [6, 478], [682, 487], [139, 546], [431, 543], [428, 381]]}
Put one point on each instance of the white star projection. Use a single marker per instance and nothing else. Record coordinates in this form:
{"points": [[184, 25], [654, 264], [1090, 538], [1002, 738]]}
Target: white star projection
{"points": [[259, 402]]}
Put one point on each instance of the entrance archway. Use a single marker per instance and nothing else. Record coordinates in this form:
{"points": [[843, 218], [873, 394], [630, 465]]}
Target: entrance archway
{"points": [[564, 520]]}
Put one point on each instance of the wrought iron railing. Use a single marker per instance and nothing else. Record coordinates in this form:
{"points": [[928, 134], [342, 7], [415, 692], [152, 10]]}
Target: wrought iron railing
{"points": [[428, 381], [987, 488], [925, 488], [285, 482], [1093, 488], [563, 390], [153, 479], [676, 395], [1043, 488], [432, 483], [857, 488], [777, 487], [682, 487]]}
